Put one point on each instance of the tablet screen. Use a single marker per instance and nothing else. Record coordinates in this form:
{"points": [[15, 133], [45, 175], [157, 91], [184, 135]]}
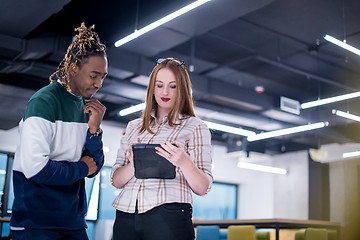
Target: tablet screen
{"points": [[148, 164]]}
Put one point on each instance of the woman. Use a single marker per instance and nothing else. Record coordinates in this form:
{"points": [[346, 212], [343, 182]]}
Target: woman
{"points": [[159, 209]]}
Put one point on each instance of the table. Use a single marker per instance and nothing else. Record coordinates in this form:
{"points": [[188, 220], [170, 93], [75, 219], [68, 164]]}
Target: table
{"points": [[276, 223]]}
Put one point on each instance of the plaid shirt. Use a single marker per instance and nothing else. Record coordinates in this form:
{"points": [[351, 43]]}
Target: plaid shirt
{"points": [[192, 135]]}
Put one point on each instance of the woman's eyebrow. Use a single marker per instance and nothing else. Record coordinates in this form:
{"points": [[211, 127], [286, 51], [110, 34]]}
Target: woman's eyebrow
{"points": [[163, 82]]}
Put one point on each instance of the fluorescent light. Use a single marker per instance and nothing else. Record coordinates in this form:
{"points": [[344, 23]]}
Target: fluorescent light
{"points": [[330, 100], [132, 109], [106, 149], [229, 129], [262, 168], [342, 44], [160, 22], [346, 115], [351, 154], [286, 131], [94, 200]]}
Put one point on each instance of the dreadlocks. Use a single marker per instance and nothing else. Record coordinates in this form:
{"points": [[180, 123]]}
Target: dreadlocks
{"points": [[87, 43]]}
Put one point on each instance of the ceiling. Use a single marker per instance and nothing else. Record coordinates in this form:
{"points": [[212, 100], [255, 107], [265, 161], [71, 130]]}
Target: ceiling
{"points": [[231, 46]]}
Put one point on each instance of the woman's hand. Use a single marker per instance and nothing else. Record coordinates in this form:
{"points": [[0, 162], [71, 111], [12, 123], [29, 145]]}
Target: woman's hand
{"points": [[123, 174], [196, 179], [174, 154], [129, 154]]}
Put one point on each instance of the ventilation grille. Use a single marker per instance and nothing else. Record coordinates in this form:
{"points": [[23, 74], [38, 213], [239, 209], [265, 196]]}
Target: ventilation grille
{"points": [[289, 105]]}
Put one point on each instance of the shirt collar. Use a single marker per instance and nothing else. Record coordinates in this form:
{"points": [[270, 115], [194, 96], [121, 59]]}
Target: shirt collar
{"points": [[72, 95], [165, 119], [153, 115], [59, 81]]}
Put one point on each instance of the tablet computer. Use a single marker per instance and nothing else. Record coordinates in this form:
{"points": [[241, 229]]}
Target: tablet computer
{"points": [[148, 164]]}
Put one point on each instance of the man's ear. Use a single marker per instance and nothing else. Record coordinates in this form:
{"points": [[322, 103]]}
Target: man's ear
{"points": [[74, 69]]}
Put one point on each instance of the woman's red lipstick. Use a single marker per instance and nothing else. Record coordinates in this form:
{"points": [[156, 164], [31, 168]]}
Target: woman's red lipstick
{"points": [[165, 99]]}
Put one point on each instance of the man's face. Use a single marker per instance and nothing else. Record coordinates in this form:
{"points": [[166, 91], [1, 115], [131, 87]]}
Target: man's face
{"points": [[87, 80]]}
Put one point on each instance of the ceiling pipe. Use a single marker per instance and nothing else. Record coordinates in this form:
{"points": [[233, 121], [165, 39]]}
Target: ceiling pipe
{"points": [[307, 74], [274, 63]]}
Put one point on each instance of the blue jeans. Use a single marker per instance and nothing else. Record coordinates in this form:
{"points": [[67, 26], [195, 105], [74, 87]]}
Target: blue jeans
{"points": [[42, 234], [167, 221]]}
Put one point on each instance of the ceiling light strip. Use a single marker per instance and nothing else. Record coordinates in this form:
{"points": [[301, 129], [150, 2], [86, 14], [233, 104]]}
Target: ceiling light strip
{"points": [[330, 100], [286, 131], [229, 129], [132, 109], [262, 168], [351, 154], [346, 115], [342, 44], [160, 22]]}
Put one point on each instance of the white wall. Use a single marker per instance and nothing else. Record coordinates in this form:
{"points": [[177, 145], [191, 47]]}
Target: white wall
{"points": [[9, 140], [292, 190], [266, 195], [255, 188]]}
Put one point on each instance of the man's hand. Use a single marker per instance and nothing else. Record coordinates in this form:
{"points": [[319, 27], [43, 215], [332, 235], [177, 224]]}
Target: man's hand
{"points": [[96, 111], [90, 163]]}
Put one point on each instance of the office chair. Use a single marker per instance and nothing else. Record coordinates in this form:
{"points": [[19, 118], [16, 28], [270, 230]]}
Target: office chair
{"points": [[246, 232], [207, 232]]}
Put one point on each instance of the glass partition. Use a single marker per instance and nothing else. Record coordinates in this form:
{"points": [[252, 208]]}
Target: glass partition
{"points": [[220, 203]]}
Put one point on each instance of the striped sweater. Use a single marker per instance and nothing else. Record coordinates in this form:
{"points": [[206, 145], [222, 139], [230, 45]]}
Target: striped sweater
{"points": [[48, 176]]}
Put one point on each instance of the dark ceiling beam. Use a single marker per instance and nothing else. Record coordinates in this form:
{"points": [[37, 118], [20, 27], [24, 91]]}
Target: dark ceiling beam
{"points": [[229, 63], [10, 47], [196, 22], [242, 46], [305, 73], [279, 64], [28, 15], [202, 86]]}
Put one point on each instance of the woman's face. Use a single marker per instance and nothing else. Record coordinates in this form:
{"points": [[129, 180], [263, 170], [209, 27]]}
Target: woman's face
{"points": [[165, 90]]}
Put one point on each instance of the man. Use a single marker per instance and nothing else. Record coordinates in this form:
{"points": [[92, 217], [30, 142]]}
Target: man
{"points": [[60, 144]]}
